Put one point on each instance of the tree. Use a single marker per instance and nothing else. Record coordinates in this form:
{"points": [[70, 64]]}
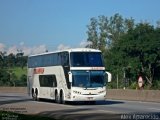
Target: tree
{"points": [[23, 80], [20, 59], [139, 49], [8, 77], [10, 60], [104, 32], [2, 59], [92, 33], [4, 78]]}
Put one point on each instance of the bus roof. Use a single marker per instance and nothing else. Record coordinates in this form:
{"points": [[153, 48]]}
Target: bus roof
{"points": [[69, 50]]}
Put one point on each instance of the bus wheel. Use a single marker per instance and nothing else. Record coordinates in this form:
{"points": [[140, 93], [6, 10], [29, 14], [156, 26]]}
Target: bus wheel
{"points": [[35, 95], [32, 92], [56, 98], [62, 101]]}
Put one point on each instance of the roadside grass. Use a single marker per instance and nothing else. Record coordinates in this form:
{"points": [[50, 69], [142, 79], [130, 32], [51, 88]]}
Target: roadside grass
{"points": [[6, 115]]}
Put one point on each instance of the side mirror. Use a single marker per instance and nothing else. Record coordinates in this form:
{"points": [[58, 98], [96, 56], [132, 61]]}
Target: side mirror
{"points": [[70, 77], [109, 76]]}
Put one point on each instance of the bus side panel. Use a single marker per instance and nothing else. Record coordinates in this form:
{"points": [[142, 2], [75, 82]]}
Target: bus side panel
{"points": [[48, 92], [63, 84]]}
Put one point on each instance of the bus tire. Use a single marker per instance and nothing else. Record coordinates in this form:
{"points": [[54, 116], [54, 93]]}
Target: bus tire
{"points": [[32, 92], [62, 101], [35, 95], [56, 97]]}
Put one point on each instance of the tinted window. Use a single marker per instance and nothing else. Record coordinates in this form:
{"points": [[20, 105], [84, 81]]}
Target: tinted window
{"points": [[53, 59], [88, 79], [86, 59], [47, 81], [65, 59]]}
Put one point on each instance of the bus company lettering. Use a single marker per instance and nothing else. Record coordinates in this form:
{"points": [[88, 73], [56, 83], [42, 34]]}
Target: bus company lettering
{"points": [[38, 70]]}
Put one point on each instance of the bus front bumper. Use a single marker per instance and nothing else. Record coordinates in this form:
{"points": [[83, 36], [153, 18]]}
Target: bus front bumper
{"points": [[98, 97]]}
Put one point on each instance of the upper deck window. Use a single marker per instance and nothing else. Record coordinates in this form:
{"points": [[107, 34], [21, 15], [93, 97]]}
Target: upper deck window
{"points": [[86, 59], [54, 59]]}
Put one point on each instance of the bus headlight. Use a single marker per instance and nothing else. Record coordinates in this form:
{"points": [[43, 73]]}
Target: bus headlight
{"points": [[101, 91]]}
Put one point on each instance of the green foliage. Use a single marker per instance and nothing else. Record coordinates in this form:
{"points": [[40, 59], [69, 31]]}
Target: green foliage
{"points": [[138, 50], [13, 77], [4, 77], [23, 80], [92, 33], [13, 69], [18, 71], [104, 31], [156, 85], [134, 85], [142, 48]]}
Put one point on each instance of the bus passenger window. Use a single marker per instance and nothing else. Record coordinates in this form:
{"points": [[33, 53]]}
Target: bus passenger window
{"points": [[47, 81]]}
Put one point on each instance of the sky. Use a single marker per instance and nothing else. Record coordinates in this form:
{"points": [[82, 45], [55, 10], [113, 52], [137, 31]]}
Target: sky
{"points": [[35, 26]]}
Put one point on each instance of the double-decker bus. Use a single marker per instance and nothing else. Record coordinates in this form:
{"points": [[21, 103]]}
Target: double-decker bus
{"points": [[68, 75]]}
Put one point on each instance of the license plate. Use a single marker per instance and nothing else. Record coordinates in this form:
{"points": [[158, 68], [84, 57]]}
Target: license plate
{"points": [[90, 98]]}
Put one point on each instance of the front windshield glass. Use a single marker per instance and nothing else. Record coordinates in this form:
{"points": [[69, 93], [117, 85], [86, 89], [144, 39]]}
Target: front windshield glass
{"points": [[86, 59], [88, 79]]}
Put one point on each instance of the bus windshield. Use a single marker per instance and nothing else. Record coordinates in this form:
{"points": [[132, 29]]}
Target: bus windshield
{"points": [[86, 59], [88, 79]]}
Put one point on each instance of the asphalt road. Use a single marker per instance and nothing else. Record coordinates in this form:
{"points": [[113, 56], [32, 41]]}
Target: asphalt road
{"points": [[110, 109]]}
